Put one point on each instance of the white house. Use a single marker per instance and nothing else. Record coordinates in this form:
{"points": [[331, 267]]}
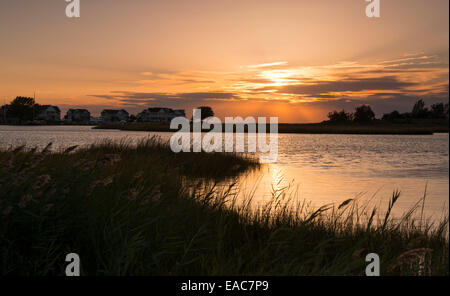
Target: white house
{"points": [[79, 116], [49, 113], [109, 116], [159, 115]]}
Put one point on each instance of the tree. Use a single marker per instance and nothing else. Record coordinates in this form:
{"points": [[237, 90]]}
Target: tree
{"points": [[340, 116], [206, 112], [438, 110], [394, 115], [23, 108], [419, 110], [23, 101], [363, 113]]}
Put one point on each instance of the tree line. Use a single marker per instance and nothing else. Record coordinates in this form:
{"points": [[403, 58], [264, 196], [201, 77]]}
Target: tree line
{"points": [[22, 108], [364, 113], [25, 109]]}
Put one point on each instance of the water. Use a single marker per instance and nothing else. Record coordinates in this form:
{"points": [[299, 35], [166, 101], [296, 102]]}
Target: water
{"points": [[322, 169]]}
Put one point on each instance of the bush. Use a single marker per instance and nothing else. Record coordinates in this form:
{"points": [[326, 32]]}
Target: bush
{"points": [[364, 113]]}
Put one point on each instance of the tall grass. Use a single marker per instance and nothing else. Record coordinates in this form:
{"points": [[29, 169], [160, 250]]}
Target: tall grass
{"points": [[143, 210]]}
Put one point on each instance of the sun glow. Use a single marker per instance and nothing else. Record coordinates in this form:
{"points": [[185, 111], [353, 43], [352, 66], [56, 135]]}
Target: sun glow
{"points": [[279, 77]]}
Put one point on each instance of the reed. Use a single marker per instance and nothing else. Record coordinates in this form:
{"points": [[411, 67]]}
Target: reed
{"points": [[139, 209]]}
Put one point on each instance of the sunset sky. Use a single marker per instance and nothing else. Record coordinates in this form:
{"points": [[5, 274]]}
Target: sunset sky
{"points": [[293, 59]]}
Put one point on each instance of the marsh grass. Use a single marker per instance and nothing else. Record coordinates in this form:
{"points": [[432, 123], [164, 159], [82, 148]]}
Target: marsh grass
{"points": [[143, 210]]}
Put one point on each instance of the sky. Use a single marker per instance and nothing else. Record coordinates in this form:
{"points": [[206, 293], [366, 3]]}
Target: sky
{"points": [[297, 60]]}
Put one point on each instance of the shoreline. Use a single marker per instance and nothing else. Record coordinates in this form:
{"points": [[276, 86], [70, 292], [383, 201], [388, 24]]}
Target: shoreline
{"points": [[377, 128], [309, 128]]}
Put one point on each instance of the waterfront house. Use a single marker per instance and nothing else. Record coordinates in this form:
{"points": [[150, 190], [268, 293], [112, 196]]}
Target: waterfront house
{"points": [[158, 114], [110, 116], [49, 113], [4, 114], [77, 116]]}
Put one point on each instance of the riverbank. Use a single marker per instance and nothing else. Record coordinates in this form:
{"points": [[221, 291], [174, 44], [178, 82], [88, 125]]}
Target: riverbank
{"points": [[140, 210], [379, 128]]}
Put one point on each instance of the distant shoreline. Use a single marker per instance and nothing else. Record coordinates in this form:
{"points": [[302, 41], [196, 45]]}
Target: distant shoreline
{"points": [[379, 128]]}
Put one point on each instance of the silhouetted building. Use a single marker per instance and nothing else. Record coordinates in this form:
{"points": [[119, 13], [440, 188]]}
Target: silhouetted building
{"points": [[5, 117], [77, 116], [49, 113], [109, 116], [159, 115]]}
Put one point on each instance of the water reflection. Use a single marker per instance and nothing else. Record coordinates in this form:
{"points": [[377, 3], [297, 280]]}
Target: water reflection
{"points": [[319, 169]]}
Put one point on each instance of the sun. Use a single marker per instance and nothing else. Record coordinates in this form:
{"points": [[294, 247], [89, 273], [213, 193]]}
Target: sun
{"points": [[278, 77]]}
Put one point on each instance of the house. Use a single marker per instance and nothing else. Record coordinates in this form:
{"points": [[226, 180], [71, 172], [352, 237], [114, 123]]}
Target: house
{"points": [[159, 115], [109, 116], [179, 113], [49, 113], [4, 114], [77, 116]]}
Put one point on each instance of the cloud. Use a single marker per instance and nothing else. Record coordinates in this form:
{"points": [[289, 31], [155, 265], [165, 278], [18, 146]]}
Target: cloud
{"points": [[349, 85], [385, 85], [268, 65], [167, 98]]}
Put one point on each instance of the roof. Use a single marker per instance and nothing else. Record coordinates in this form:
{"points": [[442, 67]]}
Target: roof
{"points": [[48, 106], [78, 110], [110, 111], [158, 109]]}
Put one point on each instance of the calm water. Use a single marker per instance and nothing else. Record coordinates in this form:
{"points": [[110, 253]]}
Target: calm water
{"points": [[321, 168]]}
